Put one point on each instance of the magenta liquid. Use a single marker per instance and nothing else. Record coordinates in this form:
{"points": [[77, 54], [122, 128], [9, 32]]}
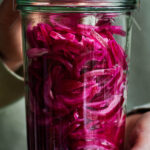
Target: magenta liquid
{"points": [[76, 83]]}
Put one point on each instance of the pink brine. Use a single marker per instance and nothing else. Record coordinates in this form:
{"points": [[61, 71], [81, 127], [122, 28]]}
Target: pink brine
{"points": [[76, 78]]}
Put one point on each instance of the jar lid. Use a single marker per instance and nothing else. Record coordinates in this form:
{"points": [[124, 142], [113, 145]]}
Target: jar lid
{"points": [[118, 4]]}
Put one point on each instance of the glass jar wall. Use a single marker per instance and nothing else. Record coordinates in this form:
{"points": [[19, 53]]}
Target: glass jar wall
{"points": [[76, 63]]}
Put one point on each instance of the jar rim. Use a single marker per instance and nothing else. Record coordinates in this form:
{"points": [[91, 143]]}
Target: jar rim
{"points": [[117, 4]]}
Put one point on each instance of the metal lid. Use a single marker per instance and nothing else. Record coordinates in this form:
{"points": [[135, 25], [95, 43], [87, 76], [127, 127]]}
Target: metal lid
{"points": [[129, 4]]}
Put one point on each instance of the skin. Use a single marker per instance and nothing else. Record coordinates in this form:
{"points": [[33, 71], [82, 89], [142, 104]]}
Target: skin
{"points": [[137, 126], [138, 132], [10, 35]]}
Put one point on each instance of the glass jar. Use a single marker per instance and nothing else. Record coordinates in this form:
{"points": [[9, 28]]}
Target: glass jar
{"points": [[76, 58]]}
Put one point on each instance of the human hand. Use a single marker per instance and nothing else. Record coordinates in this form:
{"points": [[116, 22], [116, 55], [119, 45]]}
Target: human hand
{"points": [[138, 132], [10, 35]]}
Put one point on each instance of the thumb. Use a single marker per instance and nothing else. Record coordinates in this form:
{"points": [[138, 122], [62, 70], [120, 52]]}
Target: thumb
{"points": [[141, 134], [142, 143], [7, 12]]}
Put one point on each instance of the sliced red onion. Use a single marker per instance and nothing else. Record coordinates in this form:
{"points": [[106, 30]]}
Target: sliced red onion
{"points": [[77, 78]]}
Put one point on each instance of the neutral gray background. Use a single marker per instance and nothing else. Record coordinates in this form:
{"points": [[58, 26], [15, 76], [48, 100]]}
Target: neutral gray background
{"points": [[139, 76], [12, 119]]}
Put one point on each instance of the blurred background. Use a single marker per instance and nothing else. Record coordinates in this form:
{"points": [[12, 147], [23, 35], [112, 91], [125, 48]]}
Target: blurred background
{"points": [[12, 118]]}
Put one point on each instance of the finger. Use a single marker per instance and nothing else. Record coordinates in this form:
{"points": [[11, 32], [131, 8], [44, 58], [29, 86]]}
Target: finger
{"points": [[130, 125], [142, 144], [7, 12], [141, 134]]}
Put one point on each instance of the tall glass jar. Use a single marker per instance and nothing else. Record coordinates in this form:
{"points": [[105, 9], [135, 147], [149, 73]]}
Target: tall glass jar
{"points": [[76, 56]]}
